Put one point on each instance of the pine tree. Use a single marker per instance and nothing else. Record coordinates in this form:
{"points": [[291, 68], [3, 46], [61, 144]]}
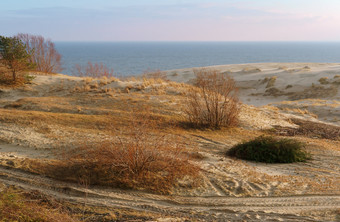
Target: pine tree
{"points": [[13, 55]]}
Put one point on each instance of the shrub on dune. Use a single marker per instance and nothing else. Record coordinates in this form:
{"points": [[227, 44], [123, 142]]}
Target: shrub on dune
{"points": [[139, 156], [213, 101], [270, 150]]}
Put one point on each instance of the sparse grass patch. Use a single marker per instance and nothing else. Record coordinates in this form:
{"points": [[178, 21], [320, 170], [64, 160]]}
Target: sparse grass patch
{"points": [[315, 91], [324, 80], [16, 205], [271, 82], [139, 156], [310, 129], [270, 150], [273, 92], [155, 74], [6, 78], [251, 69]]}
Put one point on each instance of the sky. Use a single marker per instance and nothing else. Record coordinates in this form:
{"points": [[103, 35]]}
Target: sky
{"points": [[173, 20]]}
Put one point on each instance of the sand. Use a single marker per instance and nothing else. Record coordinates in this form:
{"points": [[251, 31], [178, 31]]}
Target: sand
{"points": [[235, 190], [288, 86]]}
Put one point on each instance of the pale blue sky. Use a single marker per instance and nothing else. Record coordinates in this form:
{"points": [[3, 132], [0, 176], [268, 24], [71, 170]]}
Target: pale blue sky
{"points": [[173, 20]]}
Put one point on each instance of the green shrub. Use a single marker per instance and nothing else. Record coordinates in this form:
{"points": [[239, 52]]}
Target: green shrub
{"points": [[29, 78], [270, 150]]}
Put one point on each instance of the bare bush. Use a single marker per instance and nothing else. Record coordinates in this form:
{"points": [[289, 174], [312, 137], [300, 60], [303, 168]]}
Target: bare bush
{"points": [[213, 102], [95, 70], [139, 156], [44, 55]]}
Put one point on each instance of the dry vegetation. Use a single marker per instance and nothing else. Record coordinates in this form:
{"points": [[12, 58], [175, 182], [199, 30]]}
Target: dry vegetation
{"points": [[310, 129], [315, 91], [214, 102], [6, 78], [43, 53], [17, 205], [129, 134], [154, 74], [96, 70], [139, 156]]}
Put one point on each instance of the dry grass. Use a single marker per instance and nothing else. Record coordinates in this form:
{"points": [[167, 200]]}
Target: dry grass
{"points": [[154, 74], [315, 91], [19, 205], [138, 156], [310, 129], [324, 80], [271, 82], [273, 92], [303, 112], [16, 205], [6, 79], [251, 70]]}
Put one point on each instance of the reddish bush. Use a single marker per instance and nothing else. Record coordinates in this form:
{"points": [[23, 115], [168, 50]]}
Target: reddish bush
{"points": [[44, 55], [93, 70], [213, 102]]}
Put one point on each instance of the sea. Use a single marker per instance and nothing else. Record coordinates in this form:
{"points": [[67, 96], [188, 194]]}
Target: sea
{"points": [[134, 58]]}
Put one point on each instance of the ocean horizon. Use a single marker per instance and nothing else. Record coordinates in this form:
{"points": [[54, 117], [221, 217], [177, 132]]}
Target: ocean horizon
{"points": [[133, 58]]}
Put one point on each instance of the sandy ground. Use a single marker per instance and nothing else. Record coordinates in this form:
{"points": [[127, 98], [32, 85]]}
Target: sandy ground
{"points": [[231, 189], [296, 88]]}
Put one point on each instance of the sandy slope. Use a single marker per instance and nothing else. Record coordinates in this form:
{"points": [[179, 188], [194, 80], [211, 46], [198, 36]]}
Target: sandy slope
{"points": [[230, 189], [306, 86]]}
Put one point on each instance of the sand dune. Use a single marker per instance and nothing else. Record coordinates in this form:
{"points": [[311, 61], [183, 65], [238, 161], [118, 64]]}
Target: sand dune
{"points": [[305, 89], [55, 112]]}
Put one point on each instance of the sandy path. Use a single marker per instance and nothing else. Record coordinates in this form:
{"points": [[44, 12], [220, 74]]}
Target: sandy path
{"points": [[10, 151], [206, 208]]}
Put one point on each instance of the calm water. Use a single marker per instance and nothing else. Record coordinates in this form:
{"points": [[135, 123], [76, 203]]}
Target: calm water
{"points": [[129, 58]]}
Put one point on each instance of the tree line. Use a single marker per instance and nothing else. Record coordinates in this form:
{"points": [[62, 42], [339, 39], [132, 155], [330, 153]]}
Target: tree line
{"points": [[25, 52]]}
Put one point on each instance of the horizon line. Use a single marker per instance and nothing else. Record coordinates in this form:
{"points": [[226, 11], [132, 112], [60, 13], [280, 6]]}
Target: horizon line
{"points": [[203, 41]]}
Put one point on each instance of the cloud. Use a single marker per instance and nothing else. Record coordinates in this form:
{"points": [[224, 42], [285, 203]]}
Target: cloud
{"points": [[201, 20]]}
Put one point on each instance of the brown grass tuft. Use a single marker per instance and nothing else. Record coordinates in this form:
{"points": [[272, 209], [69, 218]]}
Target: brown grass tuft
{"points": [[16, 205]]}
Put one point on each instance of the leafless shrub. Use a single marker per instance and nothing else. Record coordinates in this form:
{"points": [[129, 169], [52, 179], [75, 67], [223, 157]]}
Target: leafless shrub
{"points": [[95, 70], [213, 102], [44, 55]]}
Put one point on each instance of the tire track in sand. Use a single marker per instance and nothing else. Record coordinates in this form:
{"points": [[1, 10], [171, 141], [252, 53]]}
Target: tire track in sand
{"points": [[213, 207]]}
